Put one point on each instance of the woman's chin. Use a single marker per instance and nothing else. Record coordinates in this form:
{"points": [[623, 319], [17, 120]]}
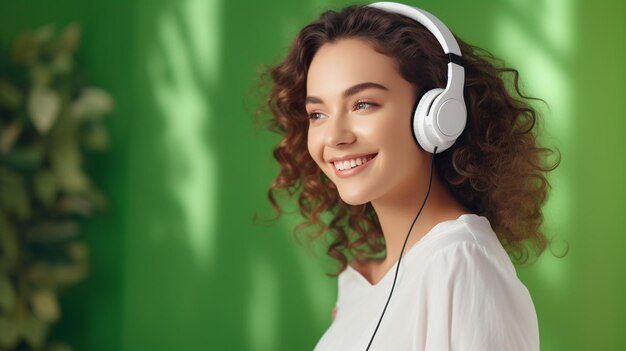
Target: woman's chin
{"points": [[353, 199]]}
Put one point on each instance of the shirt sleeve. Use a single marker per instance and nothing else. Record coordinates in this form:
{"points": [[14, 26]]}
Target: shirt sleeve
{"points": [[474, 302]]}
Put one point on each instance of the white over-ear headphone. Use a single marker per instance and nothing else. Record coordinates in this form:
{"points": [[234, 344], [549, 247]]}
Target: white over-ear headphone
{"points": [[440, 115]]}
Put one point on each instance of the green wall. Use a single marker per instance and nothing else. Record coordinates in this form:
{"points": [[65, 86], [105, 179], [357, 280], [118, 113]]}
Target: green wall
{"points": [[177, 262]]}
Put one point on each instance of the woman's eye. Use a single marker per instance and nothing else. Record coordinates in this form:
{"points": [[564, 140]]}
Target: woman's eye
{"points": [[315, 115], [363, 105]]}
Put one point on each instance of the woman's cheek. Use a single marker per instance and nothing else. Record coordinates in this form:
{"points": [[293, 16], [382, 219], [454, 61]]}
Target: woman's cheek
{"points": [[316, 151]]}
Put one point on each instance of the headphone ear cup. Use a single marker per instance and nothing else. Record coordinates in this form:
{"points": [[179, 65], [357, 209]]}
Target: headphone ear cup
{"points": [[420, 120]]}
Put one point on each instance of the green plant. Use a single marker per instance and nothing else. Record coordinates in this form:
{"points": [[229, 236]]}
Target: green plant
{"points": [[49, 119]]}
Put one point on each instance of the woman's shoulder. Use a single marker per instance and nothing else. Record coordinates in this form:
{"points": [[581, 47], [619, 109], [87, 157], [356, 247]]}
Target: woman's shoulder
{"points": [[469, 228], [469, 263], [471, 276], [468, 239]]}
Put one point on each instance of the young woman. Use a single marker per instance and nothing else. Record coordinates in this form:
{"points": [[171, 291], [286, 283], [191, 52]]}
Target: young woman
{"points": [[411, 153]]}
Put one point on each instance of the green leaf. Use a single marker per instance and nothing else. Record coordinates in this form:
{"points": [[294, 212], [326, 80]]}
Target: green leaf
{"points": [[62, 63], [58, 346], [44, 34], [57, 275], [46, 186], [96, 137], [7, 293], [97, 198], [66, 164], [51, 232], [78, 251], [13, 196], [72, 179], [25, 49], [69, 39], [92, 103], [9, 243], [45, 305], [40, 77], [79, 205], [10, 96], [34, 331], [44, 106], [9, 333], [9, 135], [25, 158]]}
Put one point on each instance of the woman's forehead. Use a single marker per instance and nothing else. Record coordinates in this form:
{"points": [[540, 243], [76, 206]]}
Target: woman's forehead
{"points": [[344, 63]]}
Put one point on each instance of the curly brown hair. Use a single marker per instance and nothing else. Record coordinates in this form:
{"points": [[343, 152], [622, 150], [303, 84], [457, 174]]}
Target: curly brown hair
{"points": [[496, 168]]}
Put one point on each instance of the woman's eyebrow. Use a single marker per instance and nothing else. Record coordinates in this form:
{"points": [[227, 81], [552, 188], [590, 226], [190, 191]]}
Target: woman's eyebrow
{"points": [[348, 92], [360, 87]]}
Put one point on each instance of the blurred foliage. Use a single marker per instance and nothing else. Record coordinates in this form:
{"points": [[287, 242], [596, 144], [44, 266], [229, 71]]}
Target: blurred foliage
{"points": [[49, 118]]}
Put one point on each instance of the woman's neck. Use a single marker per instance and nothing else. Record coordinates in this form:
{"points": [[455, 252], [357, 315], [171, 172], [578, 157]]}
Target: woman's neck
{"points": [[396, 213]]}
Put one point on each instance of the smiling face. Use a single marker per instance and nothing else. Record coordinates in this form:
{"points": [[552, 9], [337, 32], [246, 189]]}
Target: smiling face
{"points": [[360, 110]]}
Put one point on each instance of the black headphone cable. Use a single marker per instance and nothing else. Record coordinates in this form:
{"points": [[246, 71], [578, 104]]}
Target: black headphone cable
{"points": [[430, 180]]}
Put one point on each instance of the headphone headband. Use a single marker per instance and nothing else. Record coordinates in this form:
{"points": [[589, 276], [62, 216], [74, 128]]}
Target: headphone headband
{"points": [[432, 23]]}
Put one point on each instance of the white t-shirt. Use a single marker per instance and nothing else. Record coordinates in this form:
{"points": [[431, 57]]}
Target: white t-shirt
{"points": [[457, 290]]}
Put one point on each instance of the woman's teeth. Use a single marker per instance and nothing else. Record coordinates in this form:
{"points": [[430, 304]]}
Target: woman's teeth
{"points": [[344, 165]]}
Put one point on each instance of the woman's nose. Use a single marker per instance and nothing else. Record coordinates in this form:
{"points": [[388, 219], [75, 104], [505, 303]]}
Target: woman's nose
{"points": [[338, 132]]}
